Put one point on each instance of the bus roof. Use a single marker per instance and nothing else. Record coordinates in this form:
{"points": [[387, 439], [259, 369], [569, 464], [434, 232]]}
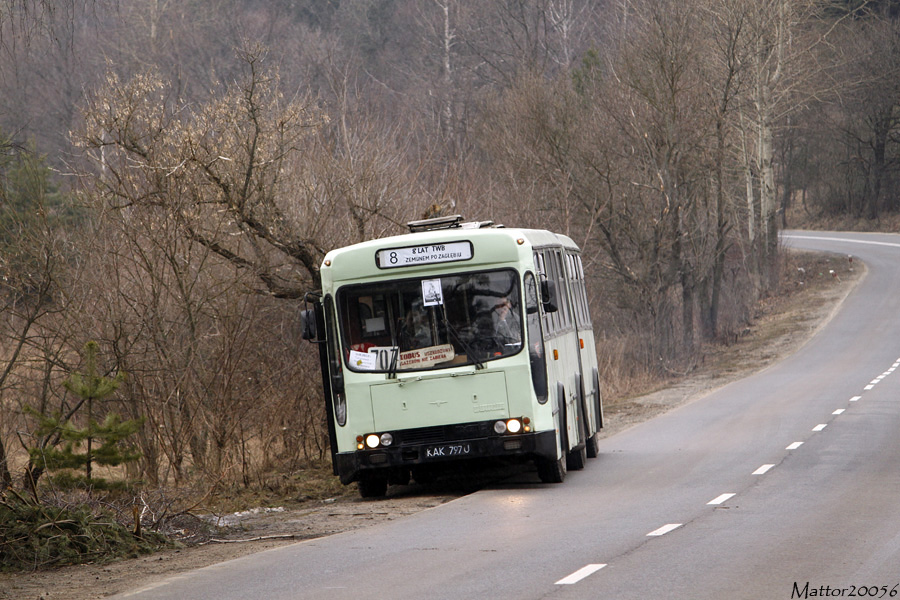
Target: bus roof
{"points": [[495, 245]]}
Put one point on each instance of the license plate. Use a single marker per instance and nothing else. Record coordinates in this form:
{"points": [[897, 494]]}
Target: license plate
{"points": [[448, 451]]}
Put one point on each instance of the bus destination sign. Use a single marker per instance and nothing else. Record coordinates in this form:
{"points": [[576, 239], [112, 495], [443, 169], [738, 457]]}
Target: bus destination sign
{"points": [[426, 254]]}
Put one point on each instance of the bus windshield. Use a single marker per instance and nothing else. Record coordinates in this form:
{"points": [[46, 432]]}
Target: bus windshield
{"points": [[431, 322]]}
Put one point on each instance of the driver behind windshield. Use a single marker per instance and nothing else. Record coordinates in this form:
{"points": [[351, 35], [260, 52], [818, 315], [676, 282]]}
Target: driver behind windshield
{"points": [[506, 326]]}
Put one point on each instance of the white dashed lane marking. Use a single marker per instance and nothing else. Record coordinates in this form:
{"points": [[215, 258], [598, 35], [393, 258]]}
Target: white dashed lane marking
{"points": [[580, 574], [664, 529], [721, 499], [588, 570]]}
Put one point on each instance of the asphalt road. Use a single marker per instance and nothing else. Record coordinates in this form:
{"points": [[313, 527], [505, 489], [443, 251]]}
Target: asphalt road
{"points": [[782, 485]]}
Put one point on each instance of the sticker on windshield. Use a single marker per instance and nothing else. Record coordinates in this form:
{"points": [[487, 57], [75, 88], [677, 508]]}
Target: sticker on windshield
{"points": [[382, 357], [424, 358], [432, 294], [363, 361]]}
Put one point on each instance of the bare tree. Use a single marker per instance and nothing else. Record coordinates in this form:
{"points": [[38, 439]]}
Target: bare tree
{"points": [[33, 255], [725, 82], [869, 122], [200, 203], [784, 41], [219, 168]]}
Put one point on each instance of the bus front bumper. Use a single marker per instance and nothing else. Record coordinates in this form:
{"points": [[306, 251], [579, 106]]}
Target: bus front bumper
{"points": [[525, 445]]}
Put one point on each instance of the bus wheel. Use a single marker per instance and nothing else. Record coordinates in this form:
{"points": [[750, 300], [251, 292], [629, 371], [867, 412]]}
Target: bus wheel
{"points": [[553, 470], [372, 485], [598, 400], [576, 459], [592, 443], [592, 448]]}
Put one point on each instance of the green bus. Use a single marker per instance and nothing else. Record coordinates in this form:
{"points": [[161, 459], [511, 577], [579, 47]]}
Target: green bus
{"points": [[454, 342]]}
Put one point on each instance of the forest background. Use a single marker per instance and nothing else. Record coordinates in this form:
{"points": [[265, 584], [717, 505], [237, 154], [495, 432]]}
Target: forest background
{"points": [[172, 173]]}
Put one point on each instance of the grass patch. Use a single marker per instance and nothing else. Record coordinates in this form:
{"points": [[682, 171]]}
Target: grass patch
{"points": [[315, 482]]}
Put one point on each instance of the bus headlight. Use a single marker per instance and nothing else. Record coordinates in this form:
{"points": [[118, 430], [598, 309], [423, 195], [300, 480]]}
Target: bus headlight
{"points": [[508, 426], [374, 440]]}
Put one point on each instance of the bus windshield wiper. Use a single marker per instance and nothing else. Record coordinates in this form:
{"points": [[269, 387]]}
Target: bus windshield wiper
{"points": [[395, 361]]}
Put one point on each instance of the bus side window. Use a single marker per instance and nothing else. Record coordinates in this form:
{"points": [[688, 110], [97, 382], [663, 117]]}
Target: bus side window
{"points": [[582, 289], [535, 338], [559, 319], [578, 293], [551, 324], [559, 275]]}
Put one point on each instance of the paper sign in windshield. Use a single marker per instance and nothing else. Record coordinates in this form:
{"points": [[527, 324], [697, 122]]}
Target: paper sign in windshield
{"points": [[426, 357], [379, 358], [363, 361], [432, 293]]}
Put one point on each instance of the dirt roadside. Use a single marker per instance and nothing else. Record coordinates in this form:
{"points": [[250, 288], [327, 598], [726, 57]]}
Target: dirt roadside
{"points": [[780, 326]]}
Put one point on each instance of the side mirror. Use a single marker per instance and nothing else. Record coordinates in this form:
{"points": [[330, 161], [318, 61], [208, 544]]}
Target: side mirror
{"points": [[308, 324], [548, 296]]}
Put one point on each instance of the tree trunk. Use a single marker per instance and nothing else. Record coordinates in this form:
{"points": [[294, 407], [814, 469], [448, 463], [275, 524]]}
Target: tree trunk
{"points": [[88, 459], [880, 132], [5, 476], [768, 247], [710, 314], [446, 119], [687, 310]]}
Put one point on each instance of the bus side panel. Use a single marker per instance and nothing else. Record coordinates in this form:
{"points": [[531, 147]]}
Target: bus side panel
{"points": [[562, 348], [574, 410], [586, 344], [561, 356], [593, 398]]}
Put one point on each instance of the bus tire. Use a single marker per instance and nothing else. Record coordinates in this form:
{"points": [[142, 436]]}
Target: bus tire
{"points": [[577, 458], [553, 470], [591, 444], [598, 399], [372, 485], [592, 447]]}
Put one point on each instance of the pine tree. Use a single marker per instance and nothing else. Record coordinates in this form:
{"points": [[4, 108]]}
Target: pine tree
{"points": [[91, 388]]}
